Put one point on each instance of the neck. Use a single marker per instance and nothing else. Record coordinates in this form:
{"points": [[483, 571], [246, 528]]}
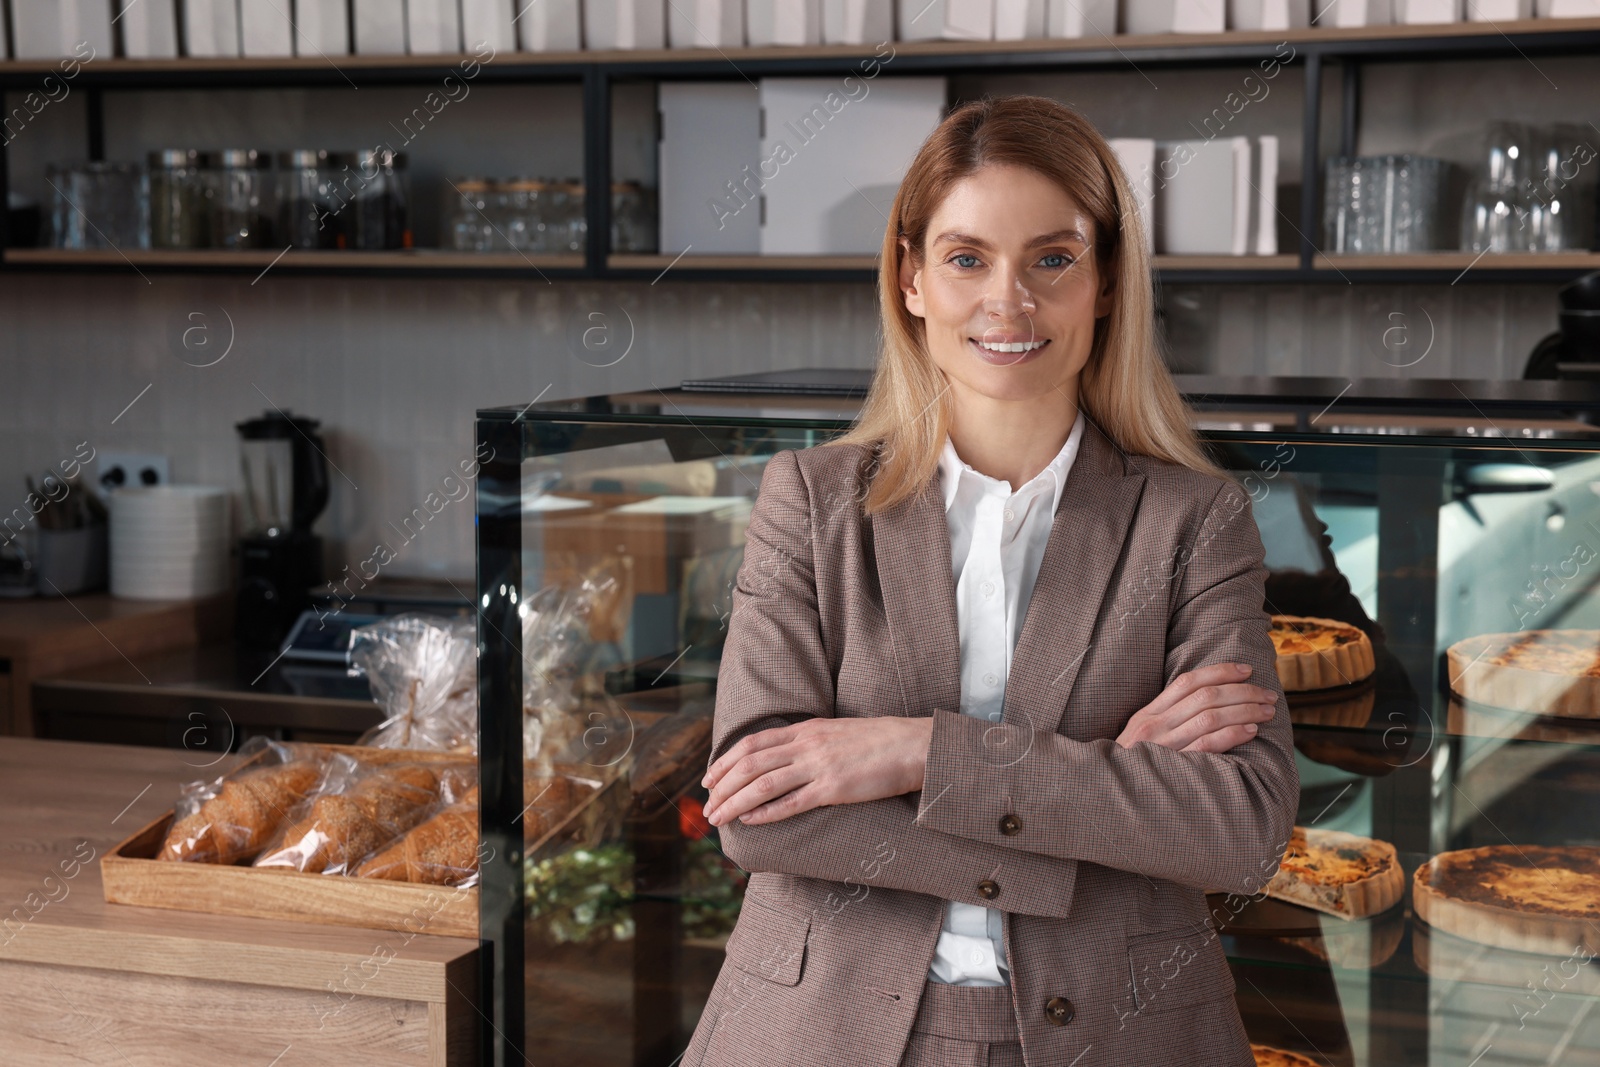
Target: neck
{"points": [[1012, 440]]}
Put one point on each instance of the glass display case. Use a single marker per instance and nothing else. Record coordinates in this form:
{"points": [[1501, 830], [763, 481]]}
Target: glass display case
{"points": [[1426, 529]]}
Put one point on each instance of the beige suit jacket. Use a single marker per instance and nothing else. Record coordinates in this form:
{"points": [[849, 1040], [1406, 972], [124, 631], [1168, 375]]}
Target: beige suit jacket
{"points": [[1099, 855]]}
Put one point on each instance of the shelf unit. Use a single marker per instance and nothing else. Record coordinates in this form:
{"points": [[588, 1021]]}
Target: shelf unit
{"points": [[599, 71]]}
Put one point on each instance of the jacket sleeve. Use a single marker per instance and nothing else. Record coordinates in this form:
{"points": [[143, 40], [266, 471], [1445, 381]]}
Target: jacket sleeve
{"points": [[775, 671], [1214, 821]]}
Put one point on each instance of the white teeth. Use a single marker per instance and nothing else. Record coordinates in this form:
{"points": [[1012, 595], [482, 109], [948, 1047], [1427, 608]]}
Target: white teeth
{"points": [[1017, 346]]}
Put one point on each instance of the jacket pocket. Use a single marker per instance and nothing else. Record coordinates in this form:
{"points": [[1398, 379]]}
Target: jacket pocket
{"points": [[1177, 968], [769, 942]]}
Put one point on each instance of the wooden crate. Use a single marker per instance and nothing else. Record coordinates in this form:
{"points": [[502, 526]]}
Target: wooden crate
{"points": [[132, 875]]}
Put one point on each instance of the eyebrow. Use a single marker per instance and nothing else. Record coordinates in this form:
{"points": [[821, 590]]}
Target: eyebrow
{"points": [[1043, 239]]}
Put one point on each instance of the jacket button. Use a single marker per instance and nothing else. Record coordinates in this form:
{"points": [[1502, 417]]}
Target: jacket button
{"points": [[988, 890], [1010, 825], [1058, 1010]]}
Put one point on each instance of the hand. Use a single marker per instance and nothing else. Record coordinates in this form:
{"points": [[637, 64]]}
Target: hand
{"points": [[1208, 709], [775, 773]]}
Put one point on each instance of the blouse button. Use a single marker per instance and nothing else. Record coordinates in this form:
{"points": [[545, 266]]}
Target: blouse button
{"points": [[1010, 515], [990, 679]]}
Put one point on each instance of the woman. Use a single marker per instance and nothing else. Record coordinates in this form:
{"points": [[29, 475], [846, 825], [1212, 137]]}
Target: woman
{"points": [[985, 749]]}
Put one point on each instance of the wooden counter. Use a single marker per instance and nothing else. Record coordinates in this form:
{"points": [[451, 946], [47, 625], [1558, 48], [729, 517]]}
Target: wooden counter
{"points": [[91, 982], [40, 636]]}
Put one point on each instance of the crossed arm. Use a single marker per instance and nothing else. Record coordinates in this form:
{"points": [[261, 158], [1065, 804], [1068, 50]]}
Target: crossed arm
{"points": [[1208, 819]]}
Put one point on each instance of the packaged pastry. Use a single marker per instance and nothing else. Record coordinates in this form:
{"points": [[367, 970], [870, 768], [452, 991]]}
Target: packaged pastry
{"points": [[343, 827], [233, 818], [442, 850]]}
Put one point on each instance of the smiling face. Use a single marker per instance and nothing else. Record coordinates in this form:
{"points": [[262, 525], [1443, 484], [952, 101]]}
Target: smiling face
{"points": [[1009, 291]]}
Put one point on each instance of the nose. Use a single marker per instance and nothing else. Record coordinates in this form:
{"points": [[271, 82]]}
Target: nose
{"points": [[1008, 296]]}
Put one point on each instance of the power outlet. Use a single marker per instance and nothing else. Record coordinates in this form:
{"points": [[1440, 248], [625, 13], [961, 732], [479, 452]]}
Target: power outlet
{"points": [[115, 470]]}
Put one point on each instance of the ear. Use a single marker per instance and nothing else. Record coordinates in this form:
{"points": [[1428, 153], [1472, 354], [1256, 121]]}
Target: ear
{"points": [[909, 281], [1104, 299]]}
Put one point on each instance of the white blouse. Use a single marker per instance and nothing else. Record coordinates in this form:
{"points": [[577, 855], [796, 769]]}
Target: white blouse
{"points": [[997, 541]]}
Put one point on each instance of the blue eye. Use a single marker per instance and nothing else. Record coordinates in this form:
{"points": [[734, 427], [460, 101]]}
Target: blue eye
{"points": [[962, 255], [1058, 255]]}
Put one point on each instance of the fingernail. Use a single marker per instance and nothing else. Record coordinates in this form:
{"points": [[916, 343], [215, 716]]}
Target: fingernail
{"points": [[1242, 668], [1249, 727]]}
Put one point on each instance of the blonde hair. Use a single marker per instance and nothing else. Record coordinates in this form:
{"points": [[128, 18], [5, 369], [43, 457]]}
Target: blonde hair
{"points": [[1125, 389]]}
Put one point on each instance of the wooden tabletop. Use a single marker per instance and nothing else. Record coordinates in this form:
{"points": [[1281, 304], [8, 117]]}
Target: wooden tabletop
{"points": [[61, 801]]}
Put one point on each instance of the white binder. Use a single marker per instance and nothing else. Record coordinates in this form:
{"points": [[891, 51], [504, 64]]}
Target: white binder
{"points": [[947, 20], [266, 28], [211, 27], [1264, 198], [322, 27], [1176, 16], [1202, 197], [1018, 20], [49, 29], [1138, 158], [709, 166], [433, 26], [624, 24], [857, 21], [487, 23], [548, 25], [1081, 18], [380, 27], [149, 28], [782, 22], [705, 24], [1269, 14]]}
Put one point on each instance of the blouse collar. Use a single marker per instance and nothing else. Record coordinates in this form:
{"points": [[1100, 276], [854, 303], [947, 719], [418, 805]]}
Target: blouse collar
{"points": [[954, 467]]}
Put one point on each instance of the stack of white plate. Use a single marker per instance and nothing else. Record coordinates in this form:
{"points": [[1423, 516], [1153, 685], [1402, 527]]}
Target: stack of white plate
{"points": [[169, 542]]}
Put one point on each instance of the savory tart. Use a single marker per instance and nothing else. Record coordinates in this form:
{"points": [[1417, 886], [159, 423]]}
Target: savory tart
{"points": [[1347, 706], [1338, 873], [1531, 898], [1267, 1056], [1546, 672], [1318, 653]]}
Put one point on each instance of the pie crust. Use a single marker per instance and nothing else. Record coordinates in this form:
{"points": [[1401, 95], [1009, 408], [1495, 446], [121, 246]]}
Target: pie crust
{"points": [[1530, 898], [1349, 707], [1267, 1056], [1546, 672], [1338, 873], [1316, 653]]}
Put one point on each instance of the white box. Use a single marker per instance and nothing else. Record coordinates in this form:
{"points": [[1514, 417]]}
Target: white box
{"points": [[1176, 16], [1343, 14], [265, 28], [1499, 10], [549, 25], [433, 26], [624, 24], [1264, 198], [322, 27], [857, 21], [946, 20], [1568, 9], [709, 164], [1019, 20], [380, 27], [149, 28], [705, 24], [50, 29], [1269, 14], [1138, 158], [782, 22], [831, 164], [1426, 12], [211, 27], [1202, 197], [488, 23], [1081, 18]]}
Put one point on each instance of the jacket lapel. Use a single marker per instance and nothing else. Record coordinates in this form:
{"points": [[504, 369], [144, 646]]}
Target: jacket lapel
{"points": [[912, 549]]}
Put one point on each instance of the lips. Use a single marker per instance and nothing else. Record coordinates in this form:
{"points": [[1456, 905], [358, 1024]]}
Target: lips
{"points": [[1006, 359]]}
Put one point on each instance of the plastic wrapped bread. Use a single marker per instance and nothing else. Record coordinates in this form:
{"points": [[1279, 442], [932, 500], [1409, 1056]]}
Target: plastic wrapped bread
{"points": [[342, 828], [243, 815], [442, 850]]}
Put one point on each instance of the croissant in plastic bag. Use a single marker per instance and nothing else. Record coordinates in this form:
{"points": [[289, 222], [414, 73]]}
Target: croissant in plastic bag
{"points": [[440, 851], [341, 828], [243, 816], [423, 670]]}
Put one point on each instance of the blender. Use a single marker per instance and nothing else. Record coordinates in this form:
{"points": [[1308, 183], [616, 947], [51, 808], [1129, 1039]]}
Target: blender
{"points": [[285, 478]]}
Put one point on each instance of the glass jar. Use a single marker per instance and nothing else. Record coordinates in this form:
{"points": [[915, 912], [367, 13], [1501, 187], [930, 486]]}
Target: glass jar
{"points": [[177, 200], [524, 203], [240, 195], [308, 215], [381, 209], [633, 218], [572, 236], [99, 205], [464, 215]]}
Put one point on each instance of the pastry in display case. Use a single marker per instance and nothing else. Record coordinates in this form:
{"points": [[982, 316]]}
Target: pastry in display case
{"points": [[1398, 559]]}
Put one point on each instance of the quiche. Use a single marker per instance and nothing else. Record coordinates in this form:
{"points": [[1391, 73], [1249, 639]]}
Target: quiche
{"points": [[1267, 1056], [1338, 873], [1546, 672], [1318, 653], [1530, 898]]}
